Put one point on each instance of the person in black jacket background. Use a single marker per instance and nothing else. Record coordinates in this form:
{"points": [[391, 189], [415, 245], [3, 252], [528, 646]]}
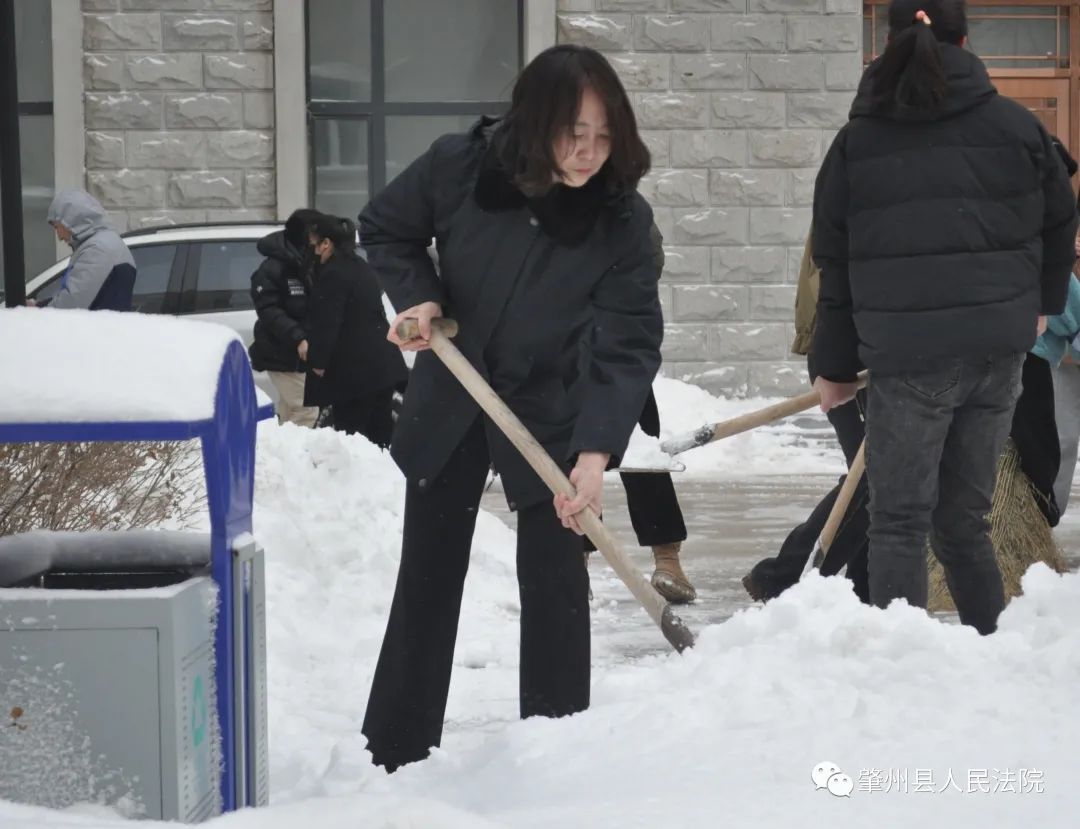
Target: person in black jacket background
{"points": [[279, 289], [545, 261], [943, 226], [351, 366]]}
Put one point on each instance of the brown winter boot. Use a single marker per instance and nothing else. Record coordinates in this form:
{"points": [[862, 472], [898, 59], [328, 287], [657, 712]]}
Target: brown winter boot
{"points": [[668, 578]]}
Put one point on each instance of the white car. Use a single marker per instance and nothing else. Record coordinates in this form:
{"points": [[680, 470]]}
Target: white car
{"points": [[201, 272]]}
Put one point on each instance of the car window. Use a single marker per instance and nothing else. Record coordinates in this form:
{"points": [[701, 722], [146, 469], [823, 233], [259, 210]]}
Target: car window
{"points": [[225, 270], [153, 266], [49, 289]]}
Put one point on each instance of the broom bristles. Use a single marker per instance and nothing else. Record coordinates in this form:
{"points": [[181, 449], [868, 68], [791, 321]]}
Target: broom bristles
{"points": [[1018, 529]]}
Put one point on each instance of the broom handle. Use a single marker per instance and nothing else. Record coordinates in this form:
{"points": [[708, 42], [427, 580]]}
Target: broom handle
{"points": [[839, 509], [843, 500]]}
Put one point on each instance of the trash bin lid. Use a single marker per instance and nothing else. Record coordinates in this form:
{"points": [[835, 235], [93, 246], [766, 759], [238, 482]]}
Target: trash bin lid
{"points": [[26, 555], [169, 371]]}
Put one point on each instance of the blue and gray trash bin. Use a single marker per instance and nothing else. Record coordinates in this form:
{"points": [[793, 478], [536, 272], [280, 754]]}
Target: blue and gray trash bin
{"points": [[132, 665]]}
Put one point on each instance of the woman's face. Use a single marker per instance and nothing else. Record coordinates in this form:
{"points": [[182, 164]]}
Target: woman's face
{"points": [[324, 248], [582, 152]]}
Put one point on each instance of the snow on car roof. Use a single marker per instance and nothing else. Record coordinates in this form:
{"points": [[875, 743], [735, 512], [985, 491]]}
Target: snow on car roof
{"points": [[71, 366]]}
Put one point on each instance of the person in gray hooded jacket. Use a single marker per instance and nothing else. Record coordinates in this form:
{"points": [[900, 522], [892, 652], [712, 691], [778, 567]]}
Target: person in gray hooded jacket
{"points": [[101, 275]]}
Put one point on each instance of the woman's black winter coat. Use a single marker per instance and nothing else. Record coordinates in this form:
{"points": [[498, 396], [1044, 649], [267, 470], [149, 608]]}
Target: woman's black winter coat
{"points": [[556, 299], [347, 331]]}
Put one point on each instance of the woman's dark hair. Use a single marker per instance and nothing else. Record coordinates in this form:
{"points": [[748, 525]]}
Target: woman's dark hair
{"points": [[296, 226], [545, 104], [911, 72], [340, 231]]}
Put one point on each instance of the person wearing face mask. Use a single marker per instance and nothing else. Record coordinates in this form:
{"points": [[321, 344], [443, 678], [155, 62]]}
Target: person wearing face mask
{"points": [[546, 262], [350, 365], [101, 275]]}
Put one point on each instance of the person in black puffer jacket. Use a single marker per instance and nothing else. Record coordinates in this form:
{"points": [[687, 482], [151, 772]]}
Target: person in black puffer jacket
{"points": [[944, 226], [279, 288], [351, 366]]}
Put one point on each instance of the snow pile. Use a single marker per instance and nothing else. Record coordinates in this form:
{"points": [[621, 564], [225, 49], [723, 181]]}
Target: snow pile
{"points": [[727, 734], [645, 453], [94, 366], [329, 510]]}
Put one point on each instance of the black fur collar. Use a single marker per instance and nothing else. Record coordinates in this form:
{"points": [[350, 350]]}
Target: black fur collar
{"points": [[567, 214]]}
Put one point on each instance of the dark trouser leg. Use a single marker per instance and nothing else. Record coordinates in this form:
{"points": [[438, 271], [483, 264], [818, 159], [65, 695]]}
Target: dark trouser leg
{"points": [[348, 415], [654, 508], [1067, 413], [906, 425], [369, 416], [412, 678], [555, 647], [960, 531], [775, 575], [907, 419]]}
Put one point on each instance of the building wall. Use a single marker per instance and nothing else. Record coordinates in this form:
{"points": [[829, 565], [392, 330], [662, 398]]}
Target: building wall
{"points": [[179, 109], [738, 100]]}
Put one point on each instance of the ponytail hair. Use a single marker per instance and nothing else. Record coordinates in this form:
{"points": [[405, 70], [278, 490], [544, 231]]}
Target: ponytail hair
{"points": [[341, 232], [911, 72]]}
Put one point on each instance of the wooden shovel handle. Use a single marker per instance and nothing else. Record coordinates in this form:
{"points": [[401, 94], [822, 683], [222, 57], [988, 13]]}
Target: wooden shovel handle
{"points": [[658, 609], [410, 329]]}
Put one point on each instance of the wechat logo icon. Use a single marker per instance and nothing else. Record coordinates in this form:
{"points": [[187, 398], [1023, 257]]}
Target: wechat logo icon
{"points": [[828, 775]]}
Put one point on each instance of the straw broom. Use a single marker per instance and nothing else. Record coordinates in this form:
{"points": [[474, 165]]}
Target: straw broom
{"points": [[1018, 530]]}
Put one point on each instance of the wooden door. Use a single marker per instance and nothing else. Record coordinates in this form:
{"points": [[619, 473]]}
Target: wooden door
{"points": [[1047, 98]]}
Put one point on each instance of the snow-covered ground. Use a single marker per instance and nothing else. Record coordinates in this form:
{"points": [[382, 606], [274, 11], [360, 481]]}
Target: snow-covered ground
{"points": [[927, 723]]}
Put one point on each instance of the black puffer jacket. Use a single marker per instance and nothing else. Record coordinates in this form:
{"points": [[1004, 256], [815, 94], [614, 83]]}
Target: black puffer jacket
{"points": [[938, 236], [279, 288], [556, 299], [347, 331]]}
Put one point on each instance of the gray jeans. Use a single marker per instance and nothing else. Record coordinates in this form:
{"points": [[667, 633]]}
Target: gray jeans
{"points": [[933, 440], [1067, 414]]}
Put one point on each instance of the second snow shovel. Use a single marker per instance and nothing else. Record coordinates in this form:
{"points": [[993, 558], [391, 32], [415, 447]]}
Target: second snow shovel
{"points": [[745, 422], [840, 506], [658, 609]]}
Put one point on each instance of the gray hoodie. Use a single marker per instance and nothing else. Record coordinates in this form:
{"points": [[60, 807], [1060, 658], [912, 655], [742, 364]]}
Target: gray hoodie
{"points": [[97, 248]]}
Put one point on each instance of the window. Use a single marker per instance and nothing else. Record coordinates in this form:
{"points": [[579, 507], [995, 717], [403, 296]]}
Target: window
{"points": [[1005, 37], [33, 27], [385, 79], [225, 270], [153, 268], [50, 289]]}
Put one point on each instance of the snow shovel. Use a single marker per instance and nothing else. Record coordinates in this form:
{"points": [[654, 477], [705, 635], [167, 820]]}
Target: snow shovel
{"points": [[657, 607], [745, 422], [836, 514]]}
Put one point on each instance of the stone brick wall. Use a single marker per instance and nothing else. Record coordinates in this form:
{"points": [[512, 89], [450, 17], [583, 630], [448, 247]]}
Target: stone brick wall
{"points": [[738, 100], [179, 109]]}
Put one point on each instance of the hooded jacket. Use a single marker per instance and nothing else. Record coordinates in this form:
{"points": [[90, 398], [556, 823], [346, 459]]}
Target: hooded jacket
{"points": [[101, 275], [940, 234], [279, 291]]}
